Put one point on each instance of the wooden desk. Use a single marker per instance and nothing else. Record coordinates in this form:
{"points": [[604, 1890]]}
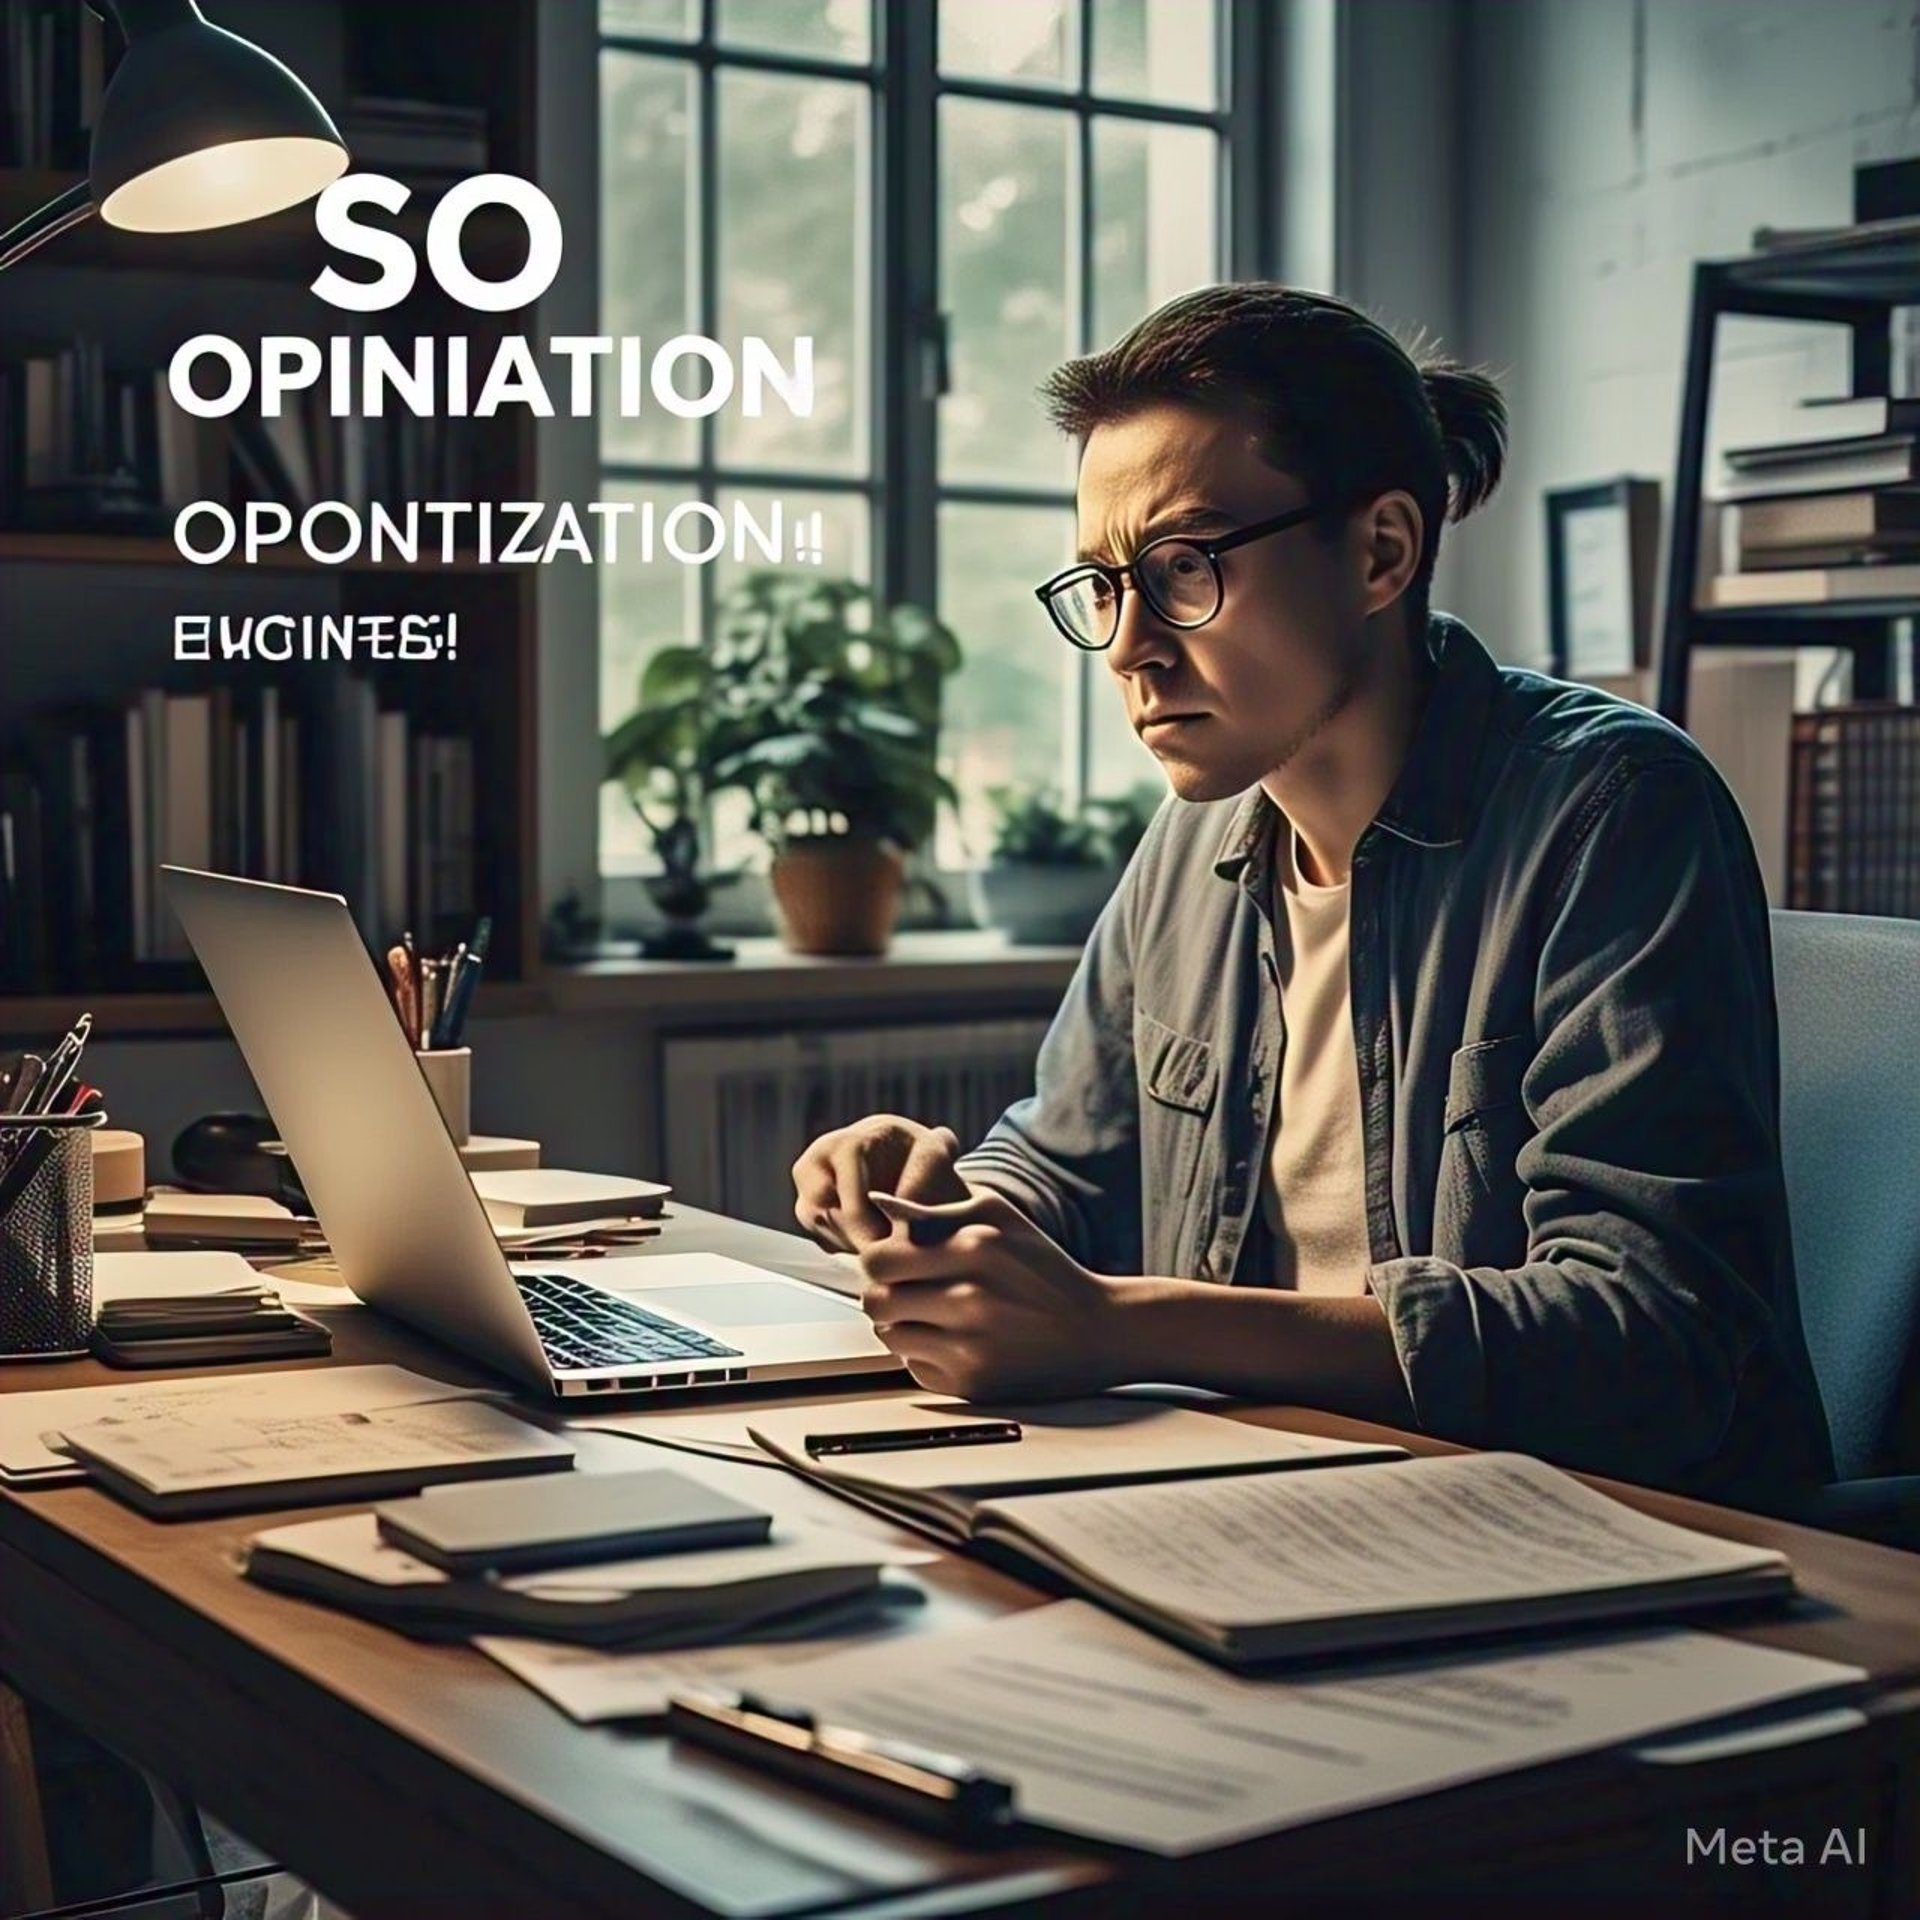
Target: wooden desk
{"points": [[418, 1781]]}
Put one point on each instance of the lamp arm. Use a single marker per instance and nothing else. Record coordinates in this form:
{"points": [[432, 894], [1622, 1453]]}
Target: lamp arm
{"points": [[52, 220]]}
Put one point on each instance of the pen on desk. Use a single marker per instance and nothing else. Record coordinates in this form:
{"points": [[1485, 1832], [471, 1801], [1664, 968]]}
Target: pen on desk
{"points": [[31, 1068], [430, 984], [915, 1783], [975, 1433]]}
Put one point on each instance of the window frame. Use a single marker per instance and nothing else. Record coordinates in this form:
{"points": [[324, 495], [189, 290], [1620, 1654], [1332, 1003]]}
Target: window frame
{"points": [[906, 328]]}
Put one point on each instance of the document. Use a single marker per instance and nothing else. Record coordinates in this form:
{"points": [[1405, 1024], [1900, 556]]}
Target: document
{"points": [[1107, 1733], [1459, 1532], [589, 1684], [27, 1420], [337, 1455], [185, 1276]]}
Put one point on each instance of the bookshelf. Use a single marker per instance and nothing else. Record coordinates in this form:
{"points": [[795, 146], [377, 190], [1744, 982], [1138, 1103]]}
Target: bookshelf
{"points": [[86, 610], [1854, 285]]}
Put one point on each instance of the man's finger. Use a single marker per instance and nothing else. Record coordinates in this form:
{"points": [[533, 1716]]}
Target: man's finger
{"points": [[858, 1218], [929, 1172]]}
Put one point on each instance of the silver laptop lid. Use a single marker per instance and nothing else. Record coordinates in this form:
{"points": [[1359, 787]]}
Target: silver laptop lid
{"points": [[372, 1151]]}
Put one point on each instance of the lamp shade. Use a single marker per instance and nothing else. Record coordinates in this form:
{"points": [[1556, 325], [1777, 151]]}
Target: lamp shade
{"points": [[201, 128]]}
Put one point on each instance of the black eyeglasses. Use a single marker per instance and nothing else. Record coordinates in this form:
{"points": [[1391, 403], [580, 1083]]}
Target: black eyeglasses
{"points": [[1177, 575]]}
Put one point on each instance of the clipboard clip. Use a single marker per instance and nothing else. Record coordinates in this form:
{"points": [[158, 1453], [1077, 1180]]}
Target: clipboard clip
{"points": [[916, 1784]]}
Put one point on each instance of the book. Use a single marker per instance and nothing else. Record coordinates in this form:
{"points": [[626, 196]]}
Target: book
{"points": [[225, 1464], [554, 1197], [512, 1526], [230, 1219], [1854, 811], [1111, 1441], [1248, 1567], [1802, 519], [1822, 467], [681, 1599], [1799, 586]]}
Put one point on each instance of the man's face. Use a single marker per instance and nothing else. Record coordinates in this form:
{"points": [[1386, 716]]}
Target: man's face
{"points": [[1223, 705]]}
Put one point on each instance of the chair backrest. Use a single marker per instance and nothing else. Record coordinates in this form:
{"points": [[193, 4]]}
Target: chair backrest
{"points": [[1848, 989]]}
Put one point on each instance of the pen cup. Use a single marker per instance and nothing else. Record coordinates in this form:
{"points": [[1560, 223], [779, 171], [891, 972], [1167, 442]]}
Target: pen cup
{"points": [[46, 1236], [448, 1073]]}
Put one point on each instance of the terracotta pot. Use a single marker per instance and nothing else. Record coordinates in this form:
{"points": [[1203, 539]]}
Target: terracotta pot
{"points": [[837, 895]]}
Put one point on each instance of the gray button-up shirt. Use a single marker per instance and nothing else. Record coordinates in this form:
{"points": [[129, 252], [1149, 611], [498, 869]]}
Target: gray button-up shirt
{"points": [[1565, 1039]]}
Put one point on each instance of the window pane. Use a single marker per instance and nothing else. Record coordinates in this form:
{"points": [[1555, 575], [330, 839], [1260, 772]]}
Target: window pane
{"points": [[644, 605], [845, 544], [1009, 274], [1007, 710], [1118, 761], [1037, 41], [793, 248], [819, 29], [659, 19], [1164, 50], [1155, 218], [648, 252]]}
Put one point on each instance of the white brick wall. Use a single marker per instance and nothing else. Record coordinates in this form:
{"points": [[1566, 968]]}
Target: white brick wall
{"points": [[1605, 146]]}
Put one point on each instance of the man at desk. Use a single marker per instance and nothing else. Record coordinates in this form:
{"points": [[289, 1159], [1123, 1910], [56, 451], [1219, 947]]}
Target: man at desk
{"points": [[1423, 1066]]}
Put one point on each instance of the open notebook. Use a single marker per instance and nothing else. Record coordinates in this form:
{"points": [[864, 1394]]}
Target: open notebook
{"points": [[1252, 1565]]}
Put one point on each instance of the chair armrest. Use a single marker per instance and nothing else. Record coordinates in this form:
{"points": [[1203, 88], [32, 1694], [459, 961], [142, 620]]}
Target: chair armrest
{"points": [[1885, 1509]]}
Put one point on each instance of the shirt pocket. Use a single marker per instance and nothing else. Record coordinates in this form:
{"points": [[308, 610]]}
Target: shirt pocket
{"points": [[1486, 1120], [1179, 1083]]}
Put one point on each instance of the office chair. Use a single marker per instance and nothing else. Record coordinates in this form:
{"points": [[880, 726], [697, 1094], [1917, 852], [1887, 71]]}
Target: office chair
{"points": [[1848, 989]]}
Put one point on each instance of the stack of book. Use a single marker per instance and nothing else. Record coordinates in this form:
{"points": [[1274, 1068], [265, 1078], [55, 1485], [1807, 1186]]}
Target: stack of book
{"points": [[1830, 515], [86, 446], [315, 786], [54, 66], [1854, 811]]}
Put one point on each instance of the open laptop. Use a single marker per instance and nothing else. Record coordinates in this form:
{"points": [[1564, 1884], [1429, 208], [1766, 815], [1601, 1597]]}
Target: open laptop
{"points": [[407, 1229]]}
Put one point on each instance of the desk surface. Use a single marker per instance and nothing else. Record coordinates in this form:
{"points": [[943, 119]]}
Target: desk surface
{"points": [[407, 1779]]}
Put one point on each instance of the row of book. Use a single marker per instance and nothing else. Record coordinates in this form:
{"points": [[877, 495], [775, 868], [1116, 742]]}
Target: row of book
{"points": [[316, 787], [90, 447], [1853, 841], [55, 60], [1831, 514]]}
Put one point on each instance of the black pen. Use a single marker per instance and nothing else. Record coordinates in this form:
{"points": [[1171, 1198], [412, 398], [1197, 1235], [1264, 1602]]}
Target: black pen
{"points": [[976, 1433]]}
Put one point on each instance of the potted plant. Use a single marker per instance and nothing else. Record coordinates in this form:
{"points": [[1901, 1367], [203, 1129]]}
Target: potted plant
{"points": [[826, 712], [1052, 868], [662, 755]]}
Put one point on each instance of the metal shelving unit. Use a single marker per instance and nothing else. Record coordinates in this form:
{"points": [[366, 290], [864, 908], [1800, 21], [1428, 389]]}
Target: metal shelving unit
{"points": [[1856, 286]]}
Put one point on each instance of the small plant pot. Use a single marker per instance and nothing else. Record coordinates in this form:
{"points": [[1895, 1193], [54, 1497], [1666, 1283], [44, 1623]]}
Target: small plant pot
{"points": [[1041, 906], [837, 895]]}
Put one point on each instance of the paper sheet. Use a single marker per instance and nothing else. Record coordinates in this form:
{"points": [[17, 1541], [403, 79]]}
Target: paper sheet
{"points": [[180, 1276], [1069, 1440], [27, 1418], [589, 1685], [273, 1445], [1264, 1548], [1108, 1733]]}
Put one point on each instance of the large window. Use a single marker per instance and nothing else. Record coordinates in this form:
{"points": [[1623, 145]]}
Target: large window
{"points": [[950, 197]]}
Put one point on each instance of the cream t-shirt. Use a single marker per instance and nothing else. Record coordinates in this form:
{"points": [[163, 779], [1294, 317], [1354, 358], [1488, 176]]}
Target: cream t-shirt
{"points": [[1313, 1197]]}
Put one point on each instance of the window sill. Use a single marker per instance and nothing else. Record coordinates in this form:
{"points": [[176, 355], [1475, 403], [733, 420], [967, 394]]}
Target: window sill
{"points": [[921, 972]]}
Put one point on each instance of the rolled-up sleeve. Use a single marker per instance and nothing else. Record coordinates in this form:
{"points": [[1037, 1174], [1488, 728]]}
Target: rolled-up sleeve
{"points": [[1654, 1202], [1068, 1156]]}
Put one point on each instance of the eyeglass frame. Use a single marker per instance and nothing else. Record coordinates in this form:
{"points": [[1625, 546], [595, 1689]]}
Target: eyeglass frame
{"points": [[1209, 548]]}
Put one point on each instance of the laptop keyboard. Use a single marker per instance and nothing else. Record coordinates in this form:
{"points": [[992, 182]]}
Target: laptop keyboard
{"points": [[583, 1326]]}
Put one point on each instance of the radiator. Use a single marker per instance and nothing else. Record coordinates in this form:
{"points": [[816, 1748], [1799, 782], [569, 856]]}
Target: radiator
{"points": [[741, 1108]]}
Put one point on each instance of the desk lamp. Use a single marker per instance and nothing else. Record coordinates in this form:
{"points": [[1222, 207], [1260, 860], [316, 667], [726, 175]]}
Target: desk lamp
{"points": [[198, 129]]}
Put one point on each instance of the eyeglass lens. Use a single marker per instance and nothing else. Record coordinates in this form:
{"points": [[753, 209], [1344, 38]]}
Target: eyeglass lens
{"points": [[1178, 581]]}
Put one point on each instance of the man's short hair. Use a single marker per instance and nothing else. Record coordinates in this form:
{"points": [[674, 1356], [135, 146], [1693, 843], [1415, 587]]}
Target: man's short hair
{"points": [[1339, 402]]}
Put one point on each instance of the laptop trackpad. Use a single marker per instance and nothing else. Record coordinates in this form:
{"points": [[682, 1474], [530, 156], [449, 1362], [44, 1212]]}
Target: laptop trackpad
{"points": [[750, 1303]]}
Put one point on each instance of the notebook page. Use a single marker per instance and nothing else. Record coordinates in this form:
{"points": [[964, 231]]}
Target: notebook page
{"points": [[1265, 1548]]}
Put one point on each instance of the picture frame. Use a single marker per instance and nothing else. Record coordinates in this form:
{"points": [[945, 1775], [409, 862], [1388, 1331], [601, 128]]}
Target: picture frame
{"points": [[1602, 550]]}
